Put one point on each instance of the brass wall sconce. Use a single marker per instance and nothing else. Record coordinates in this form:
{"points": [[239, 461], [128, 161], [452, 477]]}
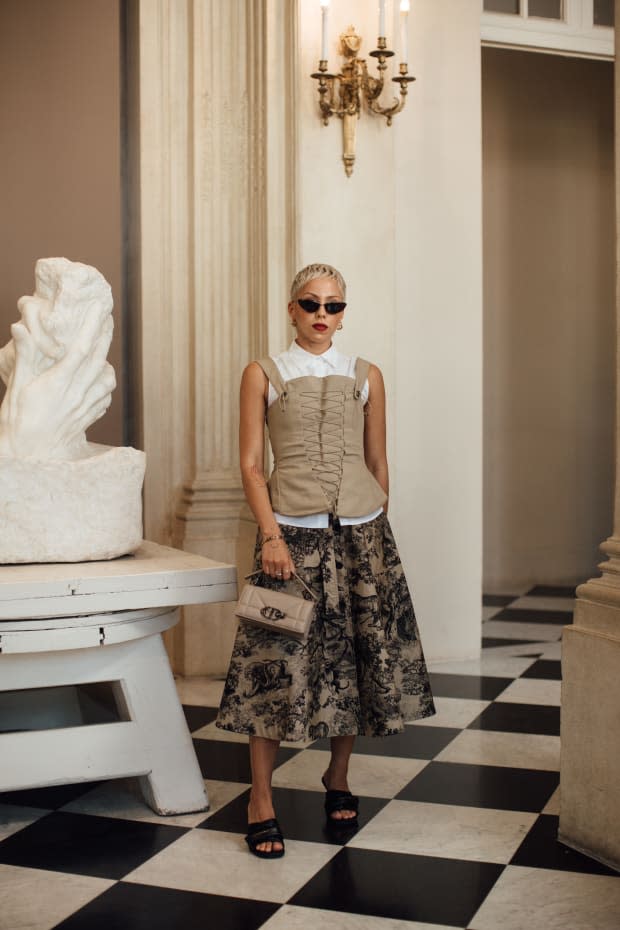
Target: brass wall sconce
{"points": [[343, 94]]}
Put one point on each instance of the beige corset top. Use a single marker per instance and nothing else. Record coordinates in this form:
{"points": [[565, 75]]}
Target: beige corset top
{"points": [[316, 429]]}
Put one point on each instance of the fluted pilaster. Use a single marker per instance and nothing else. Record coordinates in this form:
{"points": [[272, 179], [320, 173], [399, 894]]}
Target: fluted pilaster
{"points": [[216, 238], [158, 219]]}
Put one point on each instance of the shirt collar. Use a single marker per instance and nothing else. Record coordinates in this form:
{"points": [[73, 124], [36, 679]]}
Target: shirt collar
{"points": [[330, 356]]}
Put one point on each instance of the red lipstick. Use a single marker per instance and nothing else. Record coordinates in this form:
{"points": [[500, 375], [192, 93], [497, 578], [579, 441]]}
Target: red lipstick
{"points": [[320, 326]]}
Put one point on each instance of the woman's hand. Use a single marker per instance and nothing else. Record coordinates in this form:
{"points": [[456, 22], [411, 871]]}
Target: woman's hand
{"points": [[276, 559]]}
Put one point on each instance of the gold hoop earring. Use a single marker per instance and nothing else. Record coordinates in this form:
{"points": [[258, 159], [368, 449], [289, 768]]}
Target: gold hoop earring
{"points": [[339, 326]]}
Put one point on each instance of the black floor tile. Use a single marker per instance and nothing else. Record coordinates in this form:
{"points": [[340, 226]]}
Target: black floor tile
{"points": [[49, 799], [544, 668], [401, 887], [543, 590], [198, 716], [541, 850], [415, 742], [527, 615], [497, 787], [472, 687], [498, 600], [519, 718], [300, 814], [224, 761], [104, 847], [145, 907], [489, 642]]}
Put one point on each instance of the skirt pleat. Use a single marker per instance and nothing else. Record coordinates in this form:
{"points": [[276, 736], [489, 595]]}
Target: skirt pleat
{"points": [[362, 668]]}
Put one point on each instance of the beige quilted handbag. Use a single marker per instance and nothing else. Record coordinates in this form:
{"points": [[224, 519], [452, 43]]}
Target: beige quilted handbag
{"points": [[276, 610]]}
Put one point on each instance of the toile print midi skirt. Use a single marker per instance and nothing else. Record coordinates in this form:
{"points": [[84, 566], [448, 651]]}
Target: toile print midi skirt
{"points": [[361, 670]]}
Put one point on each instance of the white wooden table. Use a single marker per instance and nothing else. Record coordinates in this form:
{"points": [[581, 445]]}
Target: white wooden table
{"points": [[64, 625]]}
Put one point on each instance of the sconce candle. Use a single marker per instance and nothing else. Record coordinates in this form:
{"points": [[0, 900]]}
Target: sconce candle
{"points": [[404, 35], [381, 18], [324, 13]]}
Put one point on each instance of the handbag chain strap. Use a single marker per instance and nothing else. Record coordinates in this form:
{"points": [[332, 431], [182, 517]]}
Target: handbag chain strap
{"points": [[295, 576]]}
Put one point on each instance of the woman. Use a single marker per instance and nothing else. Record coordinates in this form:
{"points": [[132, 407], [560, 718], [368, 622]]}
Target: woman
{"points": [[322, 514]]}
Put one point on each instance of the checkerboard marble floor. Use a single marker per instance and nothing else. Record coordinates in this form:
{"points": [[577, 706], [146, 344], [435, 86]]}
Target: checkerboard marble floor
{"points": [[457, 829]]}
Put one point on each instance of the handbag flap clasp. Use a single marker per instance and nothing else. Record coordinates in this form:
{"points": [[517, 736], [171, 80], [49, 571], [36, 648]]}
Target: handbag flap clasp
{"points": [[272, 613]]}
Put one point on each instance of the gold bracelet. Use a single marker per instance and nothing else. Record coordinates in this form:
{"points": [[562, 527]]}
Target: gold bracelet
{"points": [[272, 539]]}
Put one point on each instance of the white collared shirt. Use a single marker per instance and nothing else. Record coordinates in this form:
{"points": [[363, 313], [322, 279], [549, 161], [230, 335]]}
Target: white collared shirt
{"points": [[295, 362]]}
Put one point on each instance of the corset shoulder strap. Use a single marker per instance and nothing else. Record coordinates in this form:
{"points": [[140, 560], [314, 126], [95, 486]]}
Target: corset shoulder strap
{"points": [[273, 374], [362, 367]]}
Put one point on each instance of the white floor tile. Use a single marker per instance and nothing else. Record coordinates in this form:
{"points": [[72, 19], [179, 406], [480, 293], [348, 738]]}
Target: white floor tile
{"points": [[553, 804], [446, 830], [532, 691], [552, 651], [34, 899], [290, 917], [219, 863], [541, 899], [488, 612], [544, 603], [453, 712], [516, 650], [515, 590], [515, 750], [202, 692], [505, 666], [122, 799], [14, 818], [536, 632], [494, 666], [373, 776]]}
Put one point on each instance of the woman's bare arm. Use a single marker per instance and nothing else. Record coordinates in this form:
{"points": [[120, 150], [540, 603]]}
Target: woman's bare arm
{"points": [[374, 430], [254, 387]]}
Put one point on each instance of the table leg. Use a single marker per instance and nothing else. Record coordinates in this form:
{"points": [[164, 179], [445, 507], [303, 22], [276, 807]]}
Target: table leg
{"points": [[174, 784]]}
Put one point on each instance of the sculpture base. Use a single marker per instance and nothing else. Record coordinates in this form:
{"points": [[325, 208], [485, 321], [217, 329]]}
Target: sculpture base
{"points": [[74, 511]]}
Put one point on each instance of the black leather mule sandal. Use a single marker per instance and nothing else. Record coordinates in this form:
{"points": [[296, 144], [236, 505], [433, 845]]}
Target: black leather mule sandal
{"points": [[265, 831], [340, 801]]}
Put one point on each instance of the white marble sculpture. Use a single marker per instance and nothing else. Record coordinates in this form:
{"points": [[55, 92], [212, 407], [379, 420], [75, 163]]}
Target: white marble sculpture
{"points": [[62, 498]]}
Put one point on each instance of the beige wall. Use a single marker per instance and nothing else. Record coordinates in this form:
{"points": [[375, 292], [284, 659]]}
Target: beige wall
{"points": [[60, 165], [405, 230], [549, 316]]}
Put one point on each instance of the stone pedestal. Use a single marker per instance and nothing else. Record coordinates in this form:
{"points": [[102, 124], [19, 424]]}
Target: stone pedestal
{"points": [[590, 763], [590, 736]]}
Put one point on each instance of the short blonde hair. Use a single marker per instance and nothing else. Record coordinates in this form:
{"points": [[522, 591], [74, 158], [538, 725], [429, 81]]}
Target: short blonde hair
{"points": [[310, 272]]}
